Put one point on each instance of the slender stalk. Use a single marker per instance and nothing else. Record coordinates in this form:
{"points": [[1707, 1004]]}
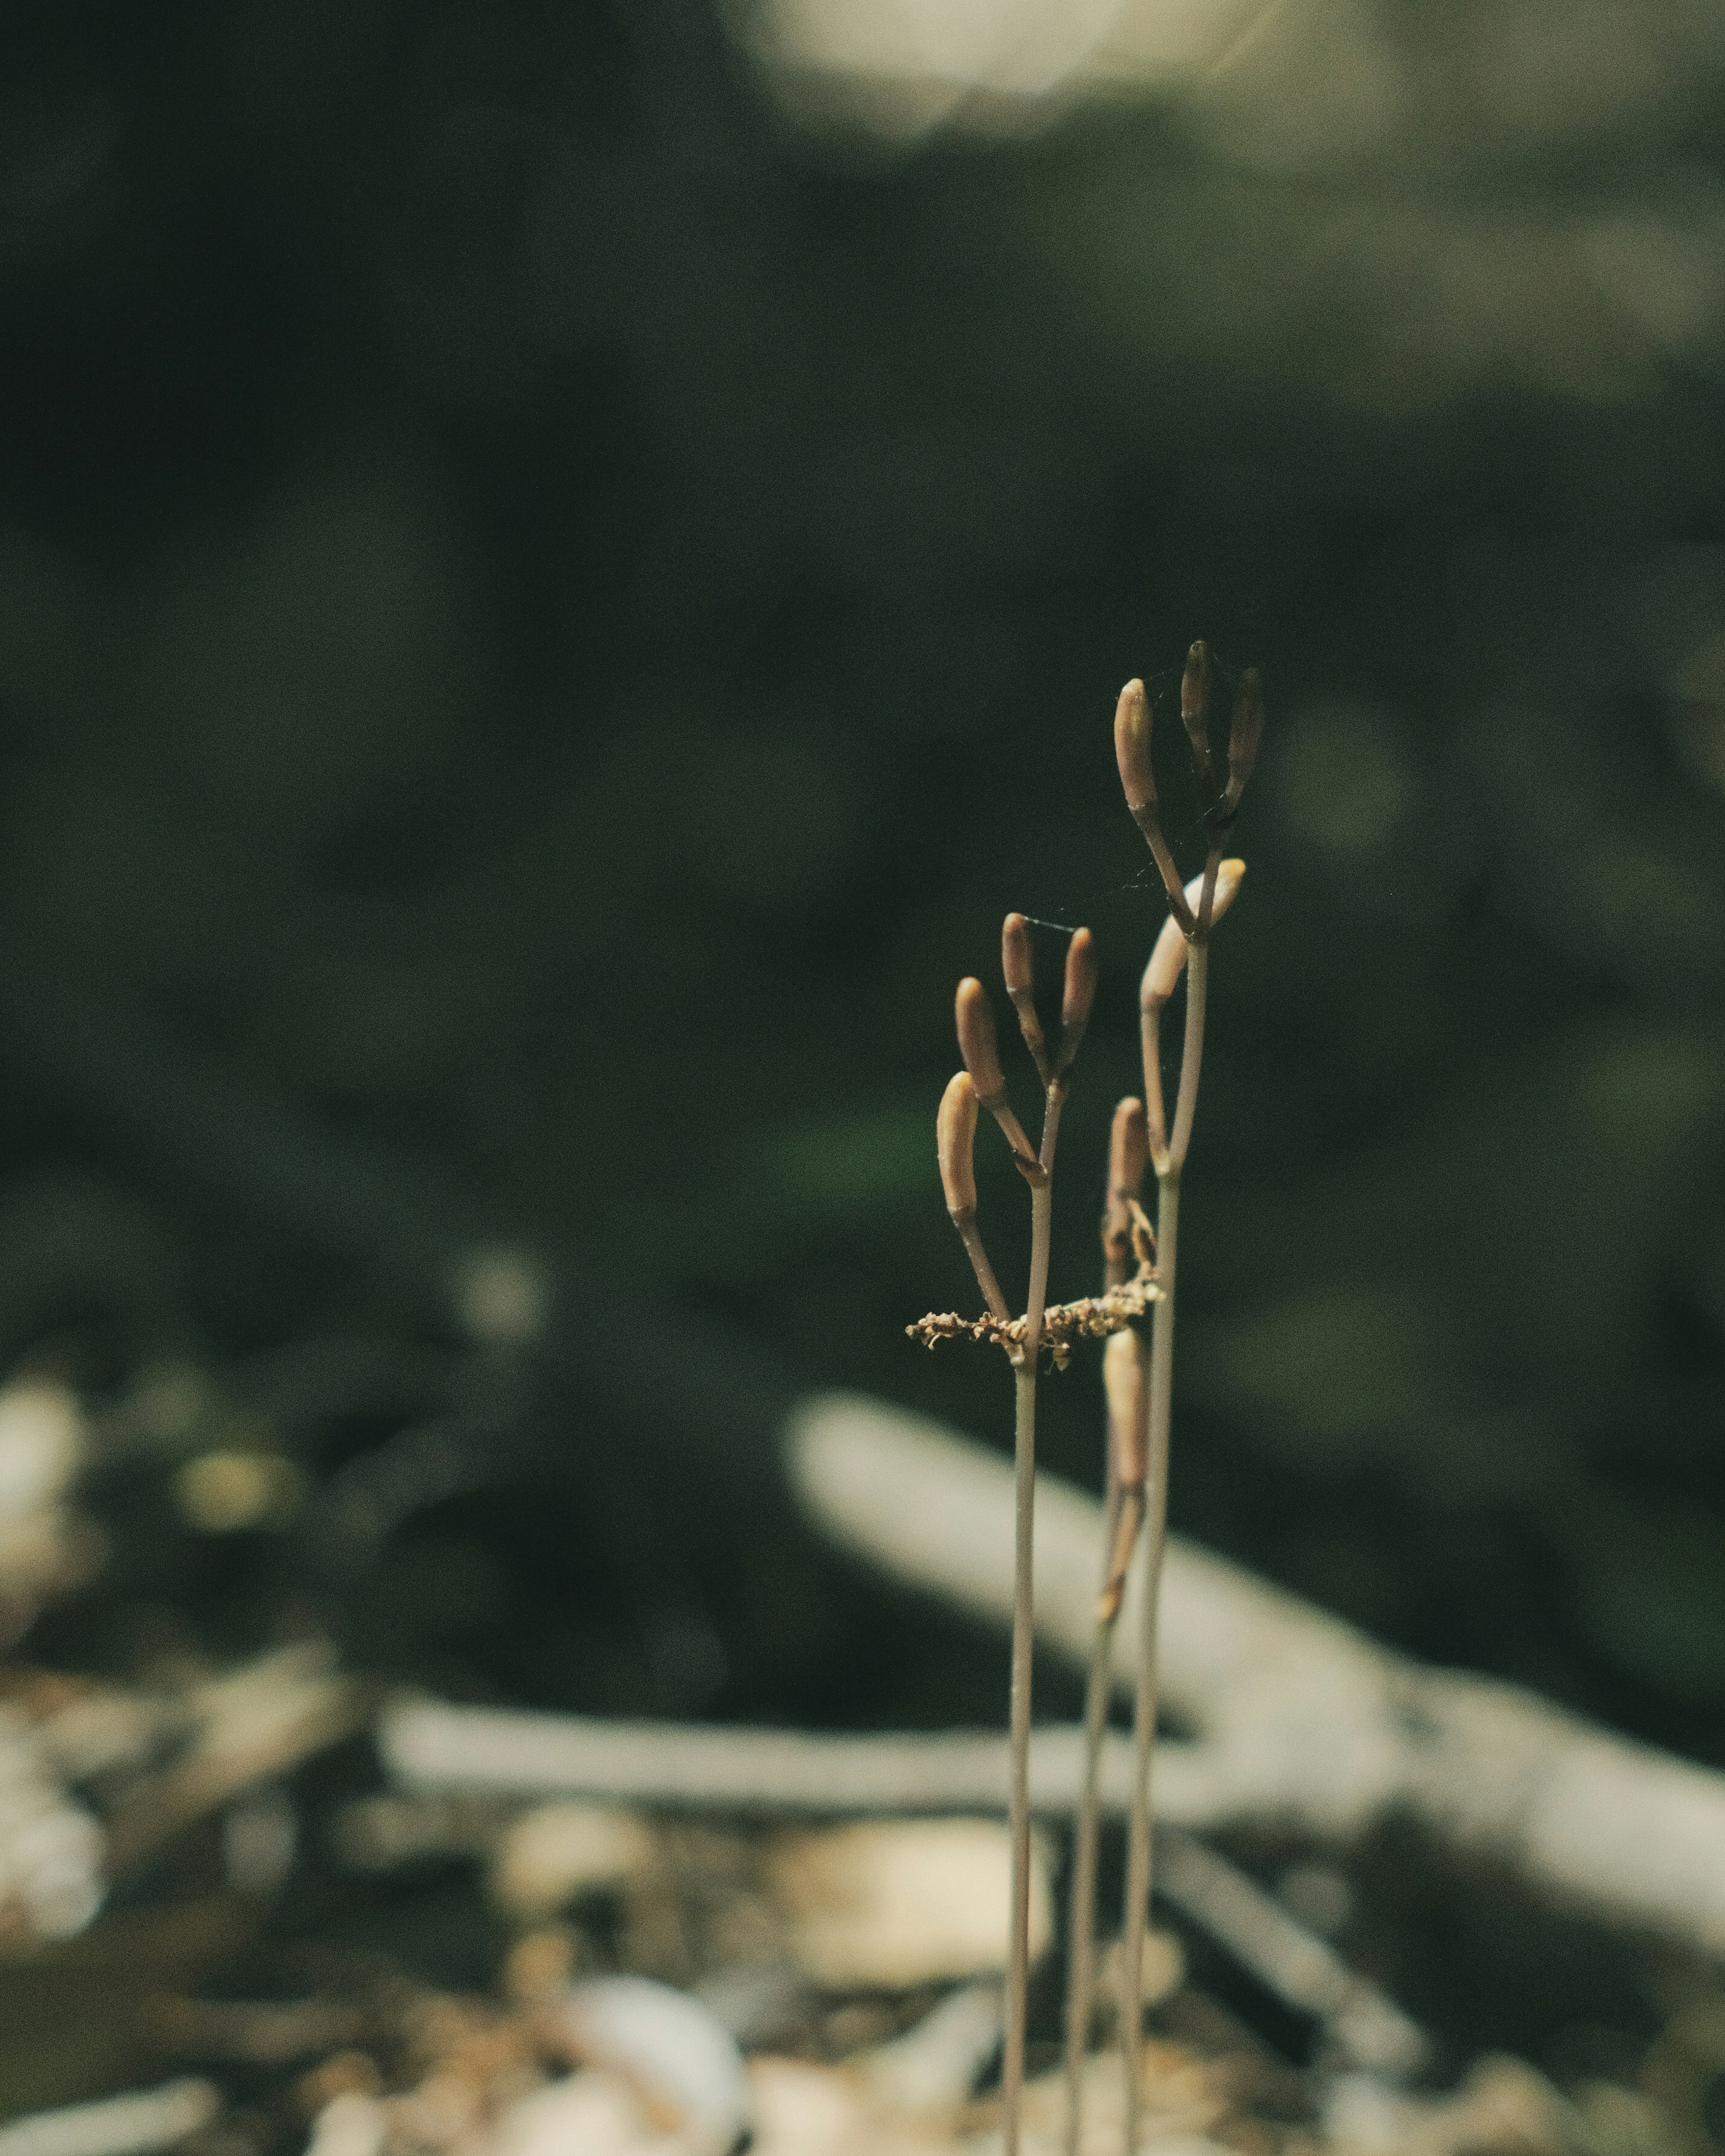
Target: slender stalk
{"points": [[1080, 1952], [1198, 974], [971, 1237], [1139, 1832], [1017, 1962], [1160, 1415]]}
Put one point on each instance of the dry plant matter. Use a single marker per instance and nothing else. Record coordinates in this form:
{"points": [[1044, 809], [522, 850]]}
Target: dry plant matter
{"points": [[1139, 1378]]}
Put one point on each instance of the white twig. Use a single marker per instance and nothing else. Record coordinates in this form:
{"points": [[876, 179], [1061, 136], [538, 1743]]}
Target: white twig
{"points": [[132, 2125], [500, 1753]]}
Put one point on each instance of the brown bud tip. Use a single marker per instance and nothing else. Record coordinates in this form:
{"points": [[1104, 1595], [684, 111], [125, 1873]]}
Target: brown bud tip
{"points": [[1128, 1151], [1016, 956], [1195, 685], [1245, 732], [1079, 994], [1195, 703], [1162, 972], [1132, 747], [955, 1142], [976, 1042]]}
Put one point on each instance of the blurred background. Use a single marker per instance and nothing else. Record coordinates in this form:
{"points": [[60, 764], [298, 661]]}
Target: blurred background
{"points": [[560, 568]]}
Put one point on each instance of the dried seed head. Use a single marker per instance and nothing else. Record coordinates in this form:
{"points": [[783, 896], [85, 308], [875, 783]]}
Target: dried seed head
{"points": [[1170, 955], [1078, 994], [976, 1042], [1132, 747], [1195, 704], [955, 1142]]}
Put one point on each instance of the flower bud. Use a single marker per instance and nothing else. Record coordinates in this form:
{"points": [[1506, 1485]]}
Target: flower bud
{"points": [[1078, 994], [1195, 704], [1170, 955], [1245, 731], [976, 1042], [1128, 1156], [1017, 964], [1129, 1152], [1132, 747], [1015, 955], [955, 1142]]}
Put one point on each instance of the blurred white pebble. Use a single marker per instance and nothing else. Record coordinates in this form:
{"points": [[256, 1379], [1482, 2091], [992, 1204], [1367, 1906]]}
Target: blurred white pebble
{"points": [[51, 1850], [349, 2125], [889, 1904], [41, 1444], [668, 2046], [589, 2114], [555, 1852]]}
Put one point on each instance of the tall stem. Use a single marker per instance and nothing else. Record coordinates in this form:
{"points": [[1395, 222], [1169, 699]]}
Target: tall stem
{"points": [[1018, 1959], [1136, 1912], [1081, 1934], [1161, 1419]]}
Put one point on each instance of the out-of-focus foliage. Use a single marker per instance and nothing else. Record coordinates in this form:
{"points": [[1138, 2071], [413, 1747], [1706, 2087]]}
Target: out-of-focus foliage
{"points": [[559, 570]]}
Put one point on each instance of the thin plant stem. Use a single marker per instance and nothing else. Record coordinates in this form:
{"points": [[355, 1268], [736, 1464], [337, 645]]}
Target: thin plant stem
{"points": [[1018, 1960], [1197, 969], [1138, 1837], [970, 1236], [1160, 1415], [1080, 1954]]}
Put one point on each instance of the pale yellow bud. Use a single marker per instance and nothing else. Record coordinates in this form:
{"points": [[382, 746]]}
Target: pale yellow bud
{"points": [[1169, 956], [976, 1041], [1132, 747], [955, 1141]]}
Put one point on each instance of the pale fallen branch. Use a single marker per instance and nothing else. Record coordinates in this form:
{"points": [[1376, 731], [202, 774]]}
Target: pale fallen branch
{"points": [[1302, 1722], [132, 2125], [476, 1752]]}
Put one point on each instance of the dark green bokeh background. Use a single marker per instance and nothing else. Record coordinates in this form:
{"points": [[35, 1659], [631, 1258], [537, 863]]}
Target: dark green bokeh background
{"points": [[545, 615]]}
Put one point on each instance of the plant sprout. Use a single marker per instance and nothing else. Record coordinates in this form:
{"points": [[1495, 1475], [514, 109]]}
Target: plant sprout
{"points": [[1138, 1281]]}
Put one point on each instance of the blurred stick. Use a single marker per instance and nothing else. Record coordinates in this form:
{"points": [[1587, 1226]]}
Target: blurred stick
{"points": [[495, 1752], [131, 2125], [1303, 1724]]}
